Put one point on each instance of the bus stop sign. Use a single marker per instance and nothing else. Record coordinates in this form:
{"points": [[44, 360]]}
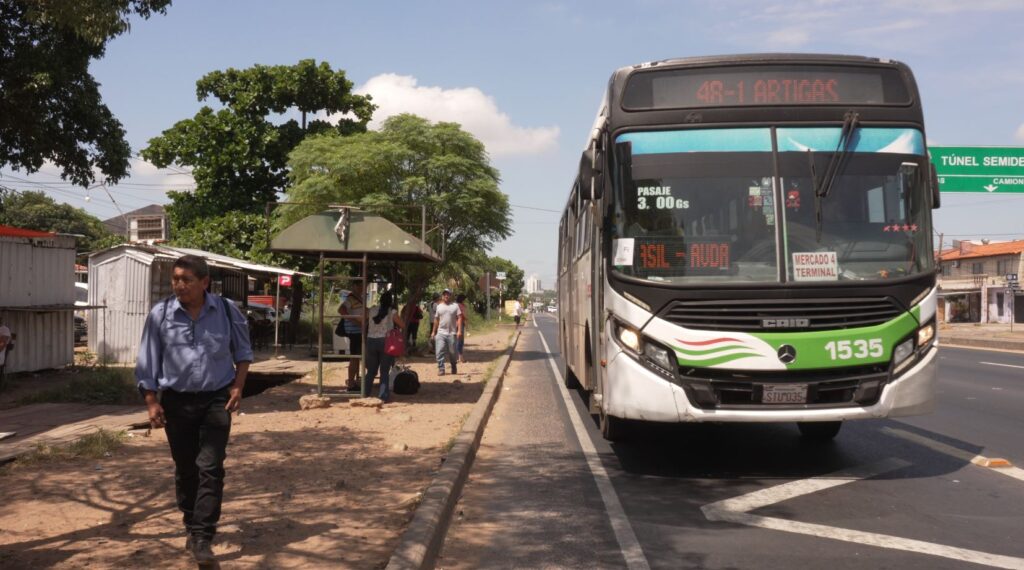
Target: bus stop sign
{"points": [[985, 169]]}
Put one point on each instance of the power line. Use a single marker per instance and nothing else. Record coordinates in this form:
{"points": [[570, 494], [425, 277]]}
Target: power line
{"points": [[534, 208]]}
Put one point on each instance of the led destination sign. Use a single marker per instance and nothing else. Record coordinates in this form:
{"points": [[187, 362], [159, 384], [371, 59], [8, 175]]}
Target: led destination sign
{"points": [[765, 85], [681, 256]]}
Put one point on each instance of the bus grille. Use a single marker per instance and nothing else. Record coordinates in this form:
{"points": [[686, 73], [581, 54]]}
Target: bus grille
{"points": [[751, 315], [739, 390]]}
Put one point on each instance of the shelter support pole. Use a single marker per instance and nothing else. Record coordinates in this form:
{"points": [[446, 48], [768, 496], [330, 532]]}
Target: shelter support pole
{"points": [[488, 289], [320, 335], [367, 383], [277, 316]]}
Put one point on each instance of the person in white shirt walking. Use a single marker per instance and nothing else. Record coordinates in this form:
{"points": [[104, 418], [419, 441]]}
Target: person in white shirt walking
{"points": [[446, 330]]}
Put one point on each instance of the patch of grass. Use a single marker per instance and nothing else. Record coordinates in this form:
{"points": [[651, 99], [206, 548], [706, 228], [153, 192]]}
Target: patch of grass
{"points": [[90, 386], [93, 446], [447, 447]]}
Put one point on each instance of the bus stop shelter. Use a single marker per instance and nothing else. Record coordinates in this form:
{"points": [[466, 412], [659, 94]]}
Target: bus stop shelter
{"points": [[349, 235]]}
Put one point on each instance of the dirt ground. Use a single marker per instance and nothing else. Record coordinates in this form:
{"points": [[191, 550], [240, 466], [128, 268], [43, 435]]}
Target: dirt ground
{"points": [[320, 488]]}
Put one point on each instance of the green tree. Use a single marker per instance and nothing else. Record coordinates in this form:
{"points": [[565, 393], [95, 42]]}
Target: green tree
{"points": [[37, 211], [237, 155], [512, 286], [50, 105], [408, 162], [235, 234]]}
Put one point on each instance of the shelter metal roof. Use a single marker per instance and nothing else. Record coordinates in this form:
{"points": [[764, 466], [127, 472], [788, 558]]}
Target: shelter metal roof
{"points": [[213, 259], [369, 234]]}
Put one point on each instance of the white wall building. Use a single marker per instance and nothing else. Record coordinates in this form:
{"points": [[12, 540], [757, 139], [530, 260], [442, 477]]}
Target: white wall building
{"points": [[533, 284]]}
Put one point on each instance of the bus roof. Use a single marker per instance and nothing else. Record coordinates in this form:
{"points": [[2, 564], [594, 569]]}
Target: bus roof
{"points": [[756, 58]]}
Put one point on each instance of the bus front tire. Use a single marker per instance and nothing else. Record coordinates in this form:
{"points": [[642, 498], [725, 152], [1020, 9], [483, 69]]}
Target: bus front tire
{"points": [[819, 431]]}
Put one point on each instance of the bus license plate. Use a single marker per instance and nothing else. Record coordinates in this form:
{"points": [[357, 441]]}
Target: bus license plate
{"points": [[784, 394]]}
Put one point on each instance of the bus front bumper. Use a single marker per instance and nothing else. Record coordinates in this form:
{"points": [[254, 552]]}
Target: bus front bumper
{"points": [[634, 392]]}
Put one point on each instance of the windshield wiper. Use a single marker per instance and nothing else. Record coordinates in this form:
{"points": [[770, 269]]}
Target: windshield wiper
{"points": [[835, 166]]}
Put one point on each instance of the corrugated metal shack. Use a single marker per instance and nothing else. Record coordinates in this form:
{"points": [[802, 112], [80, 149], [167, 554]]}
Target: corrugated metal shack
{"points": [[129, 279], [37, 297]]}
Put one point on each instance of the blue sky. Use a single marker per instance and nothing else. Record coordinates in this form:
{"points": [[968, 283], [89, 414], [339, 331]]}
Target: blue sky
{"points": [[526, 78]]}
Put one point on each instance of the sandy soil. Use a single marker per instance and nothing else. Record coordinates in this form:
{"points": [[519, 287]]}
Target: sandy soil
{"points": [[320, 488]]}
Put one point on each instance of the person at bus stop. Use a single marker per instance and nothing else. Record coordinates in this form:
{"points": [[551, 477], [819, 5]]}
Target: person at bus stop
{"points": [[446, 329], [460, 342], [5, 339], [383, 317], [193, 360], [415, 316], [435, 300], [351, 311]]}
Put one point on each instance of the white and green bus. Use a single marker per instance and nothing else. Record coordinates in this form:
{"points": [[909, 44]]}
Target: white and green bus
{"points": [[749, 239]]}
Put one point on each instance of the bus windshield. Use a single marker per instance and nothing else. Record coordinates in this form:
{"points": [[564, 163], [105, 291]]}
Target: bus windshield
{"points": [[705, 206]]}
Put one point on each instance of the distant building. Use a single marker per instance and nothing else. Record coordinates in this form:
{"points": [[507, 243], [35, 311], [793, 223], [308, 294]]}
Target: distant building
{"points": [[976, 282], [533, 284], [145, 224]]}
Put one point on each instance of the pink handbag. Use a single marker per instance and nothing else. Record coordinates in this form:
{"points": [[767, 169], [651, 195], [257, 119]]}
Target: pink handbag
{"points": [[394, 343]]}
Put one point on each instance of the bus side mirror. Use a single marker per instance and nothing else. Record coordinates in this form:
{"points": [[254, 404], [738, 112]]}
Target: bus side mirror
{"points": [[592, 174], [934, 180]]}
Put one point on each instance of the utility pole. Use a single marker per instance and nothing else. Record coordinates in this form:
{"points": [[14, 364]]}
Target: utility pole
{"points": [[487, 288]]}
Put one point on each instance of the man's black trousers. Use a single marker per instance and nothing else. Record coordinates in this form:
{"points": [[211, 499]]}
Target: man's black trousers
{"points": [[198, 427]]}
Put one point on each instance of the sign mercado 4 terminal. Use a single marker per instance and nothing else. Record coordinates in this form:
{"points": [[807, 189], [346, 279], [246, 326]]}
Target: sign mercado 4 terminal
{"points": [[985, 169]]}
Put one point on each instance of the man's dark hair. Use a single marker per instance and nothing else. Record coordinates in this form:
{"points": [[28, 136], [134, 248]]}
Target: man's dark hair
{"points": [[197, 265]]}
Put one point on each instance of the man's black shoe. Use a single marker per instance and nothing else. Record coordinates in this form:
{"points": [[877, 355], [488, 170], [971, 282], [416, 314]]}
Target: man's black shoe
{"points": [[201, 551]]}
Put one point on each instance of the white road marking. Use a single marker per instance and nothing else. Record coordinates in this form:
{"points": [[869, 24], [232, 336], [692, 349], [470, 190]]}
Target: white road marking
{"points": [[1004, 365], [736, 510], [628, 544], [946, 449]]}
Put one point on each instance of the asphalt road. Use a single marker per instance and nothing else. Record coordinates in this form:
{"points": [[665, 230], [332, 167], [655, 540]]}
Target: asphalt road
{"points": [[884, 494]]}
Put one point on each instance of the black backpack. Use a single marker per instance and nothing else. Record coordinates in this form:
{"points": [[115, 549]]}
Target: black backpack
{"points": [[406, 382]]}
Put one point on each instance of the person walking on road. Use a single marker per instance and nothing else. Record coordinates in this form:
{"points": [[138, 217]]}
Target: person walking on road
{"points": [[384, 317], [517, 311], [193, 360], [447, 327]]}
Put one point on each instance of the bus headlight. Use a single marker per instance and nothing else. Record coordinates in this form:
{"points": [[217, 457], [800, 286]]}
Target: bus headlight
{"points": [[925, 334], [628, 337], [903, 351], [659, 356]]}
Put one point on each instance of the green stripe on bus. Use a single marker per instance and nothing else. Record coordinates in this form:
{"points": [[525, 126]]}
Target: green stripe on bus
{"points": [[719, 360], [710, 350]]}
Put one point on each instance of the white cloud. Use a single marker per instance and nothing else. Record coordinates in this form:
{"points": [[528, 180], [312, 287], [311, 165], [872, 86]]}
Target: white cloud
{"points": [[788, 38], [1019, 135], [470, 107]]}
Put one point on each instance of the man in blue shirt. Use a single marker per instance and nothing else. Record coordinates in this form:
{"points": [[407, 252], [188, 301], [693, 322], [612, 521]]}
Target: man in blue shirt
{"points": [[191, 369]]}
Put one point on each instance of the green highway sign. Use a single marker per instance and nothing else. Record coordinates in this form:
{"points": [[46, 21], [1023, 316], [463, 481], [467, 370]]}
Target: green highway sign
{"points": [[986, 169]]}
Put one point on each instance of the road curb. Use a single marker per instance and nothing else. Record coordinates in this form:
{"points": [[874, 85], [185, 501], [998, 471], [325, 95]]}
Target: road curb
{"points": [[1014, 345], [421, 542]]}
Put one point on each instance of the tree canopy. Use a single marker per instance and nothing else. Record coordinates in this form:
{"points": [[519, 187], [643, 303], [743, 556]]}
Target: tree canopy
{"points": [[50, 105], [237, 155], [408, 162], [37, 211], [235, 234]]}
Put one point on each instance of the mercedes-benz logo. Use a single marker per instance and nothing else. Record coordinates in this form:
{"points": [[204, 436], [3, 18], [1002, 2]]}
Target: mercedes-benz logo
{"points": [[787, 354]]}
